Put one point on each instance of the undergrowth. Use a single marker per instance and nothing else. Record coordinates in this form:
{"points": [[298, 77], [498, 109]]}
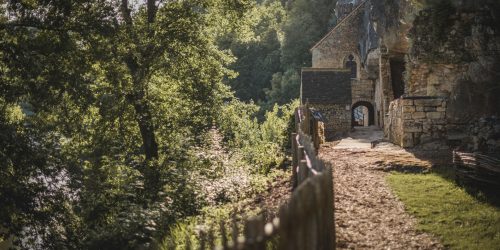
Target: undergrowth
{"points": [[209, 219]]}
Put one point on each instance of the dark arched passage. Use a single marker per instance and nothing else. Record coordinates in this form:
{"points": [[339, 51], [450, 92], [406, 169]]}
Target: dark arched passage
{"points": [[371, 113]]}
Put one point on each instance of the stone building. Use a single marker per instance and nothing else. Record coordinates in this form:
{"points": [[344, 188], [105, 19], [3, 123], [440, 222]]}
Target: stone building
{"points": [[425, 73]]}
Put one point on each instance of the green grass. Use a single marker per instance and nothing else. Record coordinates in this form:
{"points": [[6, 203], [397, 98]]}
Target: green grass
{"points": [[447, 211]]}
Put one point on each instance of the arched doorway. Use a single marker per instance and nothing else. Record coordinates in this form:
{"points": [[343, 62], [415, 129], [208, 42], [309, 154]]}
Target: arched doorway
{"points": [[362, 114]]}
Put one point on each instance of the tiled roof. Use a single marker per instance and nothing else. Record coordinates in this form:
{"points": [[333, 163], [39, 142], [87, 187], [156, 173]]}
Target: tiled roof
{"points": [[326, 86]]}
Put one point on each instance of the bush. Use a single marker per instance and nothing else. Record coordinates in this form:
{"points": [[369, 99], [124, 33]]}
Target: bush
{"points": [[262, 144]]}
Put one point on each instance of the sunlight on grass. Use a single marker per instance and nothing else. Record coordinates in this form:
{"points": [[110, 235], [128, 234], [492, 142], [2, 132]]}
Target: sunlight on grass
{"points": [[447, 211]]}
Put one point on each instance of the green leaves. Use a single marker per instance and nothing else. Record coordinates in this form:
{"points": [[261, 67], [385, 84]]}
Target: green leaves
{"points": [[115, 108], [272, 41], [262, 144]]}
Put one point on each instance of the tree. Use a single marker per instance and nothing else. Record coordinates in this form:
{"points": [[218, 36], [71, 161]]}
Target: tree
{"points": [[93, 79], [256, 46], [307, 22]]}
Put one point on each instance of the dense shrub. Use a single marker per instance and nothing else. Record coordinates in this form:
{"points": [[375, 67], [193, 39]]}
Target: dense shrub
{"points": [[262, 144]]}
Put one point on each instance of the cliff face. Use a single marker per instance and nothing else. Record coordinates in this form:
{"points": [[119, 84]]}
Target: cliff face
{"points": [[455, 53], [393, 20], [451, 51], [459, 47]]}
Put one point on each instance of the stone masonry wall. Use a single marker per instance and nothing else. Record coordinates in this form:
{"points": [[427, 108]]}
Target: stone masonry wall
{"points": [[338, 119], [417, 121], [362, 90]]}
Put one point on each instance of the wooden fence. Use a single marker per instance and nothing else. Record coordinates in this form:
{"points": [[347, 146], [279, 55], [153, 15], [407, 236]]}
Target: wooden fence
{"points": [[306, 221], [478, 168]]}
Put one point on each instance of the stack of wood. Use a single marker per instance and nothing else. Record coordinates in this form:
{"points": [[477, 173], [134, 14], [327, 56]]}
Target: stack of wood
{"points": [[482, 170]]}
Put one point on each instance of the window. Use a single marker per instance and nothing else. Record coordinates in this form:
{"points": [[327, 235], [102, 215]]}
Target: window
{"points": [[351, 64]]}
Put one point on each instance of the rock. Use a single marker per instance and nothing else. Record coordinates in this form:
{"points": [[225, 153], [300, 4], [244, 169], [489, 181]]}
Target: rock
{"points": [[418, 115], [435, 115]]}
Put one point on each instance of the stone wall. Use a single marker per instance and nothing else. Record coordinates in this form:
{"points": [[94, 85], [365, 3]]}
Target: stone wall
{"points": [[484, 135], [433, 79], [337, 118], [417, 121], [362, 90]]}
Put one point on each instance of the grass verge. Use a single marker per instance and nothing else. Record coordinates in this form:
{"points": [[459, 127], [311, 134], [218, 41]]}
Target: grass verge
{"points": [[447, 211]]}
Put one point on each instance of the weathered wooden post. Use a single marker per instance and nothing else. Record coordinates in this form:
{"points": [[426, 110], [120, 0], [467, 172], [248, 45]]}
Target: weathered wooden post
{"points": [[202, 240], [302, 171], [300, 157], [188, 242], [297, 119], [307, 120], [330, 206], [223, 235], [295, 161]]}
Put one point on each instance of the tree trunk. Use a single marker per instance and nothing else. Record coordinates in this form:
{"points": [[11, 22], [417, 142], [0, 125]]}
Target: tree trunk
{"points": [[145, 122], [142, 110]]}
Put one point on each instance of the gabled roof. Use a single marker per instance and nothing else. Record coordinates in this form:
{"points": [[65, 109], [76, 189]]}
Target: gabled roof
{"points": [[325, 86], [348, 17]]}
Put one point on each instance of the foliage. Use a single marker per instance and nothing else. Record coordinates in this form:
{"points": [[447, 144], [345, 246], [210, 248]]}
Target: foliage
{"points": [[261, 144], [256, 45], [284, 87], [101, 103], [210, 217], [442, 208], [273, 45]]}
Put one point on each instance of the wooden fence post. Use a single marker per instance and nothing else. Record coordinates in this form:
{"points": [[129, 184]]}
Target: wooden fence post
{"points": [[188, 242], [307, 120], [330, 205], [297, 119], [302, 171], [295, 162], [234, 233]]}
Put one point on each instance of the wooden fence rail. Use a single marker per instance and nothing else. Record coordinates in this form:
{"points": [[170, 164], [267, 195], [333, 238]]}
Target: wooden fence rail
{"points": [[479, 168], [306, 221]]}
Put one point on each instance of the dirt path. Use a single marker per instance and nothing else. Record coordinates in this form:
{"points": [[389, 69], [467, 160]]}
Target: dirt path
{"points": [[368, 215]]}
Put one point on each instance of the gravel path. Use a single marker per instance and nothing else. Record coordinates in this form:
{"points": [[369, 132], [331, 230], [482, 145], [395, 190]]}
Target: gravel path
{"points": [[367, 214]]}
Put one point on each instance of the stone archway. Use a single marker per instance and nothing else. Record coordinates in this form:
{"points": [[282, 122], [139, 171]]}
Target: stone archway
{"points": [[356, 113]]}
